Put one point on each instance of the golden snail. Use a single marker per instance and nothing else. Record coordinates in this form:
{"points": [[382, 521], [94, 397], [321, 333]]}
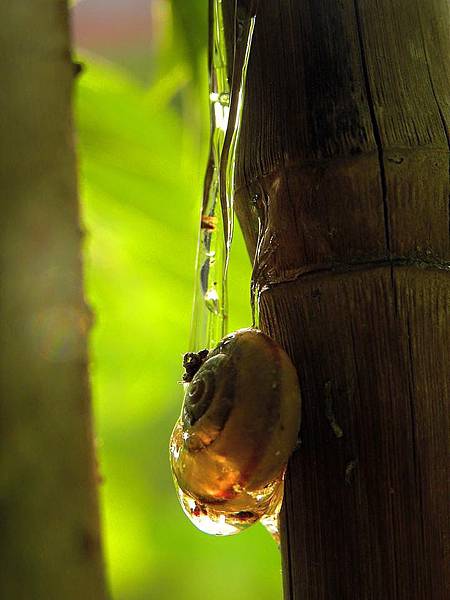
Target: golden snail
{"points": [[238, 426]]}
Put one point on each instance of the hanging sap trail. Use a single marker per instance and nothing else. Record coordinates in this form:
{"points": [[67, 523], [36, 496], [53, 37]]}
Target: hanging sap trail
{"points": [[217, 489], [210, 311], [244, 35], [210, 295]]}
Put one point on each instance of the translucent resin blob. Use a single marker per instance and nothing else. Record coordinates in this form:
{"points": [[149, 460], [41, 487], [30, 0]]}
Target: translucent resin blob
{"points": [[262, 504], [238, 426]]}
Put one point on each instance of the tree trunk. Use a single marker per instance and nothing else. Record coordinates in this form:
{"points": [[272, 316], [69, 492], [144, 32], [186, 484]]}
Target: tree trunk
{"points": [[50, 542], [343, 171]]}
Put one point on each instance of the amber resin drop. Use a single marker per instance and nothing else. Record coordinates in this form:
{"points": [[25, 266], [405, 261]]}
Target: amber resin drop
{"points": [[239, 424]]}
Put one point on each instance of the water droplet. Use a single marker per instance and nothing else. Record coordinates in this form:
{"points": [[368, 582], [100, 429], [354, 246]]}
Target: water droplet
{"points": [[212, 301], [272, 524]]}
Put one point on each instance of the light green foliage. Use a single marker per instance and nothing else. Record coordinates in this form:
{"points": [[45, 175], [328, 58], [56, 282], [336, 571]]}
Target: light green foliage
{"points": [[142, 157]]}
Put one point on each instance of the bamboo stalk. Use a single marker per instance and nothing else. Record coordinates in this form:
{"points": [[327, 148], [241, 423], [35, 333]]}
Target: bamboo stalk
{"points": [[344, 156]]}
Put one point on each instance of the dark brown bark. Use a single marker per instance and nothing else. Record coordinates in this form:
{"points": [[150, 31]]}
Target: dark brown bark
{"points": [[49, 542], [343, 158]]}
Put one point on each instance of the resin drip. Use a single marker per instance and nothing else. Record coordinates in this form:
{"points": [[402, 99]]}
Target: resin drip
{"points": [[230, 511], [209, 319], [210, 311], [245, 24], [223, 516]]}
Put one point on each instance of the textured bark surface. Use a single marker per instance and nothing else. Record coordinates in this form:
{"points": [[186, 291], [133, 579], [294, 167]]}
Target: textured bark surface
{"points": [[343, 187], [50, 542]]}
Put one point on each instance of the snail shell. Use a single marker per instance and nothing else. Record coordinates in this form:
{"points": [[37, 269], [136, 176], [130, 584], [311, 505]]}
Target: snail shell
{"points": [[239, 424]]}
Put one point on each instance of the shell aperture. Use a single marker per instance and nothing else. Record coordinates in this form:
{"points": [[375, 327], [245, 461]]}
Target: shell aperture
{"points": [[239, 425]]}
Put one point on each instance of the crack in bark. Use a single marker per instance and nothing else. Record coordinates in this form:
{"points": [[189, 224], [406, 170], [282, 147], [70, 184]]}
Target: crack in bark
{"points": [[376, 129]]}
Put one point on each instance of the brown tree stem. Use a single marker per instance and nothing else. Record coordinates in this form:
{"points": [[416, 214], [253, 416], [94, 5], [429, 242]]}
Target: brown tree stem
{"points": [[50, 541]]}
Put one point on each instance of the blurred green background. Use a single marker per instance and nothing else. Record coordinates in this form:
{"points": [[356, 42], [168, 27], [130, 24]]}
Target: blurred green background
{"points": [[142, 129]]}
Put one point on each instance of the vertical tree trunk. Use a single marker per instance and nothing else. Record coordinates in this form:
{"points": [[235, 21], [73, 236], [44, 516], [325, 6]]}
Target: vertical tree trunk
{"points": [[343, 171], [50, 543]]}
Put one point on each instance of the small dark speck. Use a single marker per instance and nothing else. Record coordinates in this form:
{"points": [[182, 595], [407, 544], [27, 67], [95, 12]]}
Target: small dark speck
{"points": [[329, 412], [90, 544], [355, 151], [349, 471], [77, 68], [332, 233], [245, 515]]}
